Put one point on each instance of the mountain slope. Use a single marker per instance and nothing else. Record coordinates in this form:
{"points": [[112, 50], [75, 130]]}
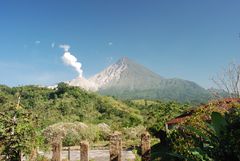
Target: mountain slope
{"points": [[83, 83], [129, 80], [126, 75]]}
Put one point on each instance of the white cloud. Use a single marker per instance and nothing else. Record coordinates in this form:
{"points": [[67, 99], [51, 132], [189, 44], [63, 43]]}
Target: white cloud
{"points": [[37, 42], [53, 45], [110, 43]]}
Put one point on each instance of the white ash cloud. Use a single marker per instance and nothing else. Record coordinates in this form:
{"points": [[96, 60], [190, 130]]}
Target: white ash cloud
{"points": [[71, 60]]}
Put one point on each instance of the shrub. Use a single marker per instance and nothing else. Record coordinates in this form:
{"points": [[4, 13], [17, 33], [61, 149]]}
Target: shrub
{"points": [[219, 140], [18, 134], [72, 133]]}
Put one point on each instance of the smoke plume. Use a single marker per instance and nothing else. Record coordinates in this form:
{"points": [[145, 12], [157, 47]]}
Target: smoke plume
{"points": [[71, 60]]}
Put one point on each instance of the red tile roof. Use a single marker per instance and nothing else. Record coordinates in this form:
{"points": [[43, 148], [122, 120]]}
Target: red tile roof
{"points": [[223, 103]]}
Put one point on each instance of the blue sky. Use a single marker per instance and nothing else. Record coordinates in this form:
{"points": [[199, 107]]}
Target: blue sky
{"points": [[188, 39]]}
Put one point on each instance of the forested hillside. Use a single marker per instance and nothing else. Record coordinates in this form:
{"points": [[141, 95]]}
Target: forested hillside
{"points": [[69, 104]]}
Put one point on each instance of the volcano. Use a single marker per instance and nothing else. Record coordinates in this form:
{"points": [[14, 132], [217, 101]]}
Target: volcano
{"points": [[127, 79]]}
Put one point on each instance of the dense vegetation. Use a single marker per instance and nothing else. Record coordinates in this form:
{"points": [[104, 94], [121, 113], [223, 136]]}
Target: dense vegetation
{"points": [[69, 104], [212, 132], [171, 90], [71, 109], [156, 113], [19, 134], [218, 141], [31, 116]]}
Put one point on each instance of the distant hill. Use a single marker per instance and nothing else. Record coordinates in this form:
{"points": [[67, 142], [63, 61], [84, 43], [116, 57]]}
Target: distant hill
{"points": [[127, 79]]}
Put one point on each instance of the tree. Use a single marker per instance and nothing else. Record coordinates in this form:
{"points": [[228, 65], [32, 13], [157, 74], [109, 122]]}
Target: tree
{"points": [[18, 134], [218, 141], [229, 80]]}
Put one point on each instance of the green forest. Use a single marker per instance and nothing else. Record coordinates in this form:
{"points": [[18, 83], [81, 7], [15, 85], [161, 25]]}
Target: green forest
{"points": [[32, 117]]}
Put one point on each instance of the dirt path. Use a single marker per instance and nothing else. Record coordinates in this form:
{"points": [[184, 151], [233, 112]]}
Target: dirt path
{"points": [[96, 155]]}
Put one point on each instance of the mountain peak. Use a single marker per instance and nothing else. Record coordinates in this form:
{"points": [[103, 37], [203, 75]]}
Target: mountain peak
{"points": [[113, 72], [125, 73], [124, 59], [130, 80]]}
